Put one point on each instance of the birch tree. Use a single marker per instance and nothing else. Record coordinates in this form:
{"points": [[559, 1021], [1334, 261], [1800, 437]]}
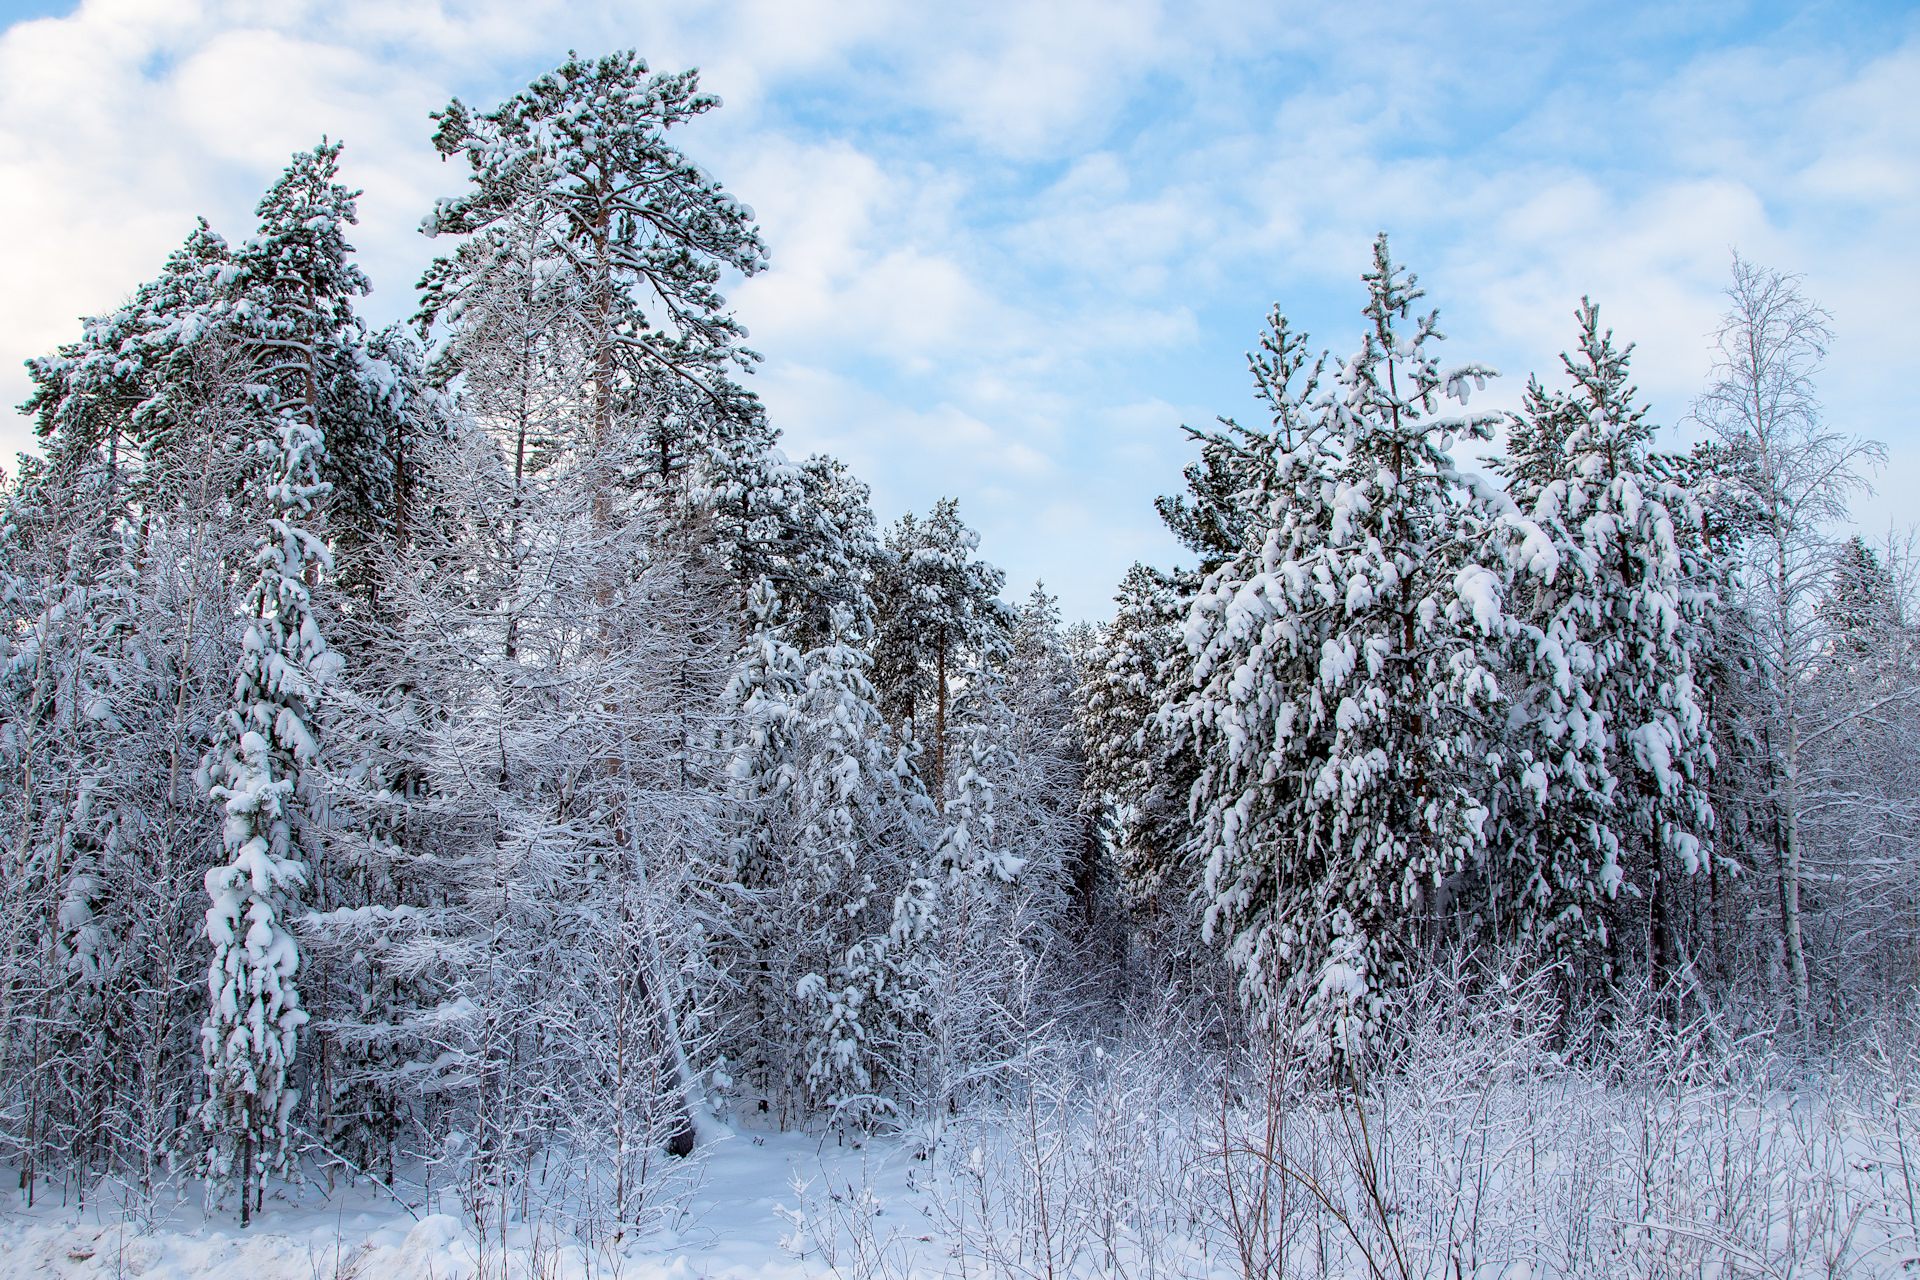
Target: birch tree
{"points": [[1795, 474]]}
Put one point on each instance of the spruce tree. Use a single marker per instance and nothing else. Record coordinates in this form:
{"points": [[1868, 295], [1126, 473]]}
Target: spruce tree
{"points": [[310, 390], [1862, 603], [805, 529]]}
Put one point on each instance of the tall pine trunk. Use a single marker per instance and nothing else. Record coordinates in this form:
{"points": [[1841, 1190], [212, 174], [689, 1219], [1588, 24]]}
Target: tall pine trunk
{"points": [[940, 723]]}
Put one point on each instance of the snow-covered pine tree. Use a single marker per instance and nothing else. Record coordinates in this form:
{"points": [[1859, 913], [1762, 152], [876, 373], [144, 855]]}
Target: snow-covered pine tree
{"points": [[1139, 776], [830, 839], [1608, 753], [970, 849], [133, 391], [939, 609], [1029, 715], [1536, 453], [601, 227], [1141, 772], [275, 314], [292, 306], [268, 741], [288, 307], [584, 334], [1344, 688], [806, 529], [1130, 765], [875, 813]]}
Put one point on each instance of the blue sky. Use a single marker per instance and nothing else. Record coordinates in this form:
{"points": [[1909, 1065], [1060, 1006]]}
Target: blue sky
{"points": [[1017, 245]]}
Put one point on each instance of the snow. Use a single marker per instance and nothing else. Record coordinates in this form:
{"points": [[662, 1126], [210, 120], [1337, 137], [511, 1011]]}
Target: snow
{"points": [[1501, 1160], [802, 912], [731, 1207], [746, 1207]]}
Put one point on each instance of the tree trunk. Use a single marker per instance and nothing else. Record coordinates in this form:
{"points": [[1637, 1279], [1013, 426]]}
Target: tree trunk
{"points": [[1784, 762], [1660, 912], [1789, 820], [603, 375], [246, 1173], [940, 724]]}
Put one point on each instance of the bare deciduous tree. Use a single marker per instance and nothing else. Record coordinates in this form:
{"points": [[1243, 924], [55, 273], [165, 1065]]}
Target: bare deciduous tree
{"points": [[1793, 474]]}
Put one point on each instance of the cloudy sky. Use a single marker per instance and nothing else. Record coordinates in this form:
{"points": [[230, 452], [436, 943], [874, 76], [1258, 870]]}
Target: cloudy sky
{"points": [[1016, 245]]}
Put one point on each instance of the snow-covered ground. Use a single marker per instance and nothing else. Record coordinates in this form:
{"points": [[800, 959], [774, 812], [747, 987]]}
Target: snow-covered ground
{"points": [[724, 1215], [1473, 1165]]}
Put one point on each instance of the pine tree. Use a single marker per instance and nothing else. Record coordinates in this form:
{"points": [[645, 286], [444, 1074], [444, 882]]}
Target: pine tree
{"points": [[830, 835], [1344, 685], [1609, 751], [971, 849], [584, 218], [1537, 442], [131, 392], [938, 609], [275, 316], [583, 330], [269, 740], [1131, 761]]}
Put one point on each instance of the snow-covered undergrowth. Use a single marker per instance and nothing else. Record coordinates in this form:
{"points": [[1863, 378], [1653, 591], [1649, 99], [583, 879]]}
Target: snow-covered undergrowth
{"points": [[1484, 1153], [1481, 1157]]}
